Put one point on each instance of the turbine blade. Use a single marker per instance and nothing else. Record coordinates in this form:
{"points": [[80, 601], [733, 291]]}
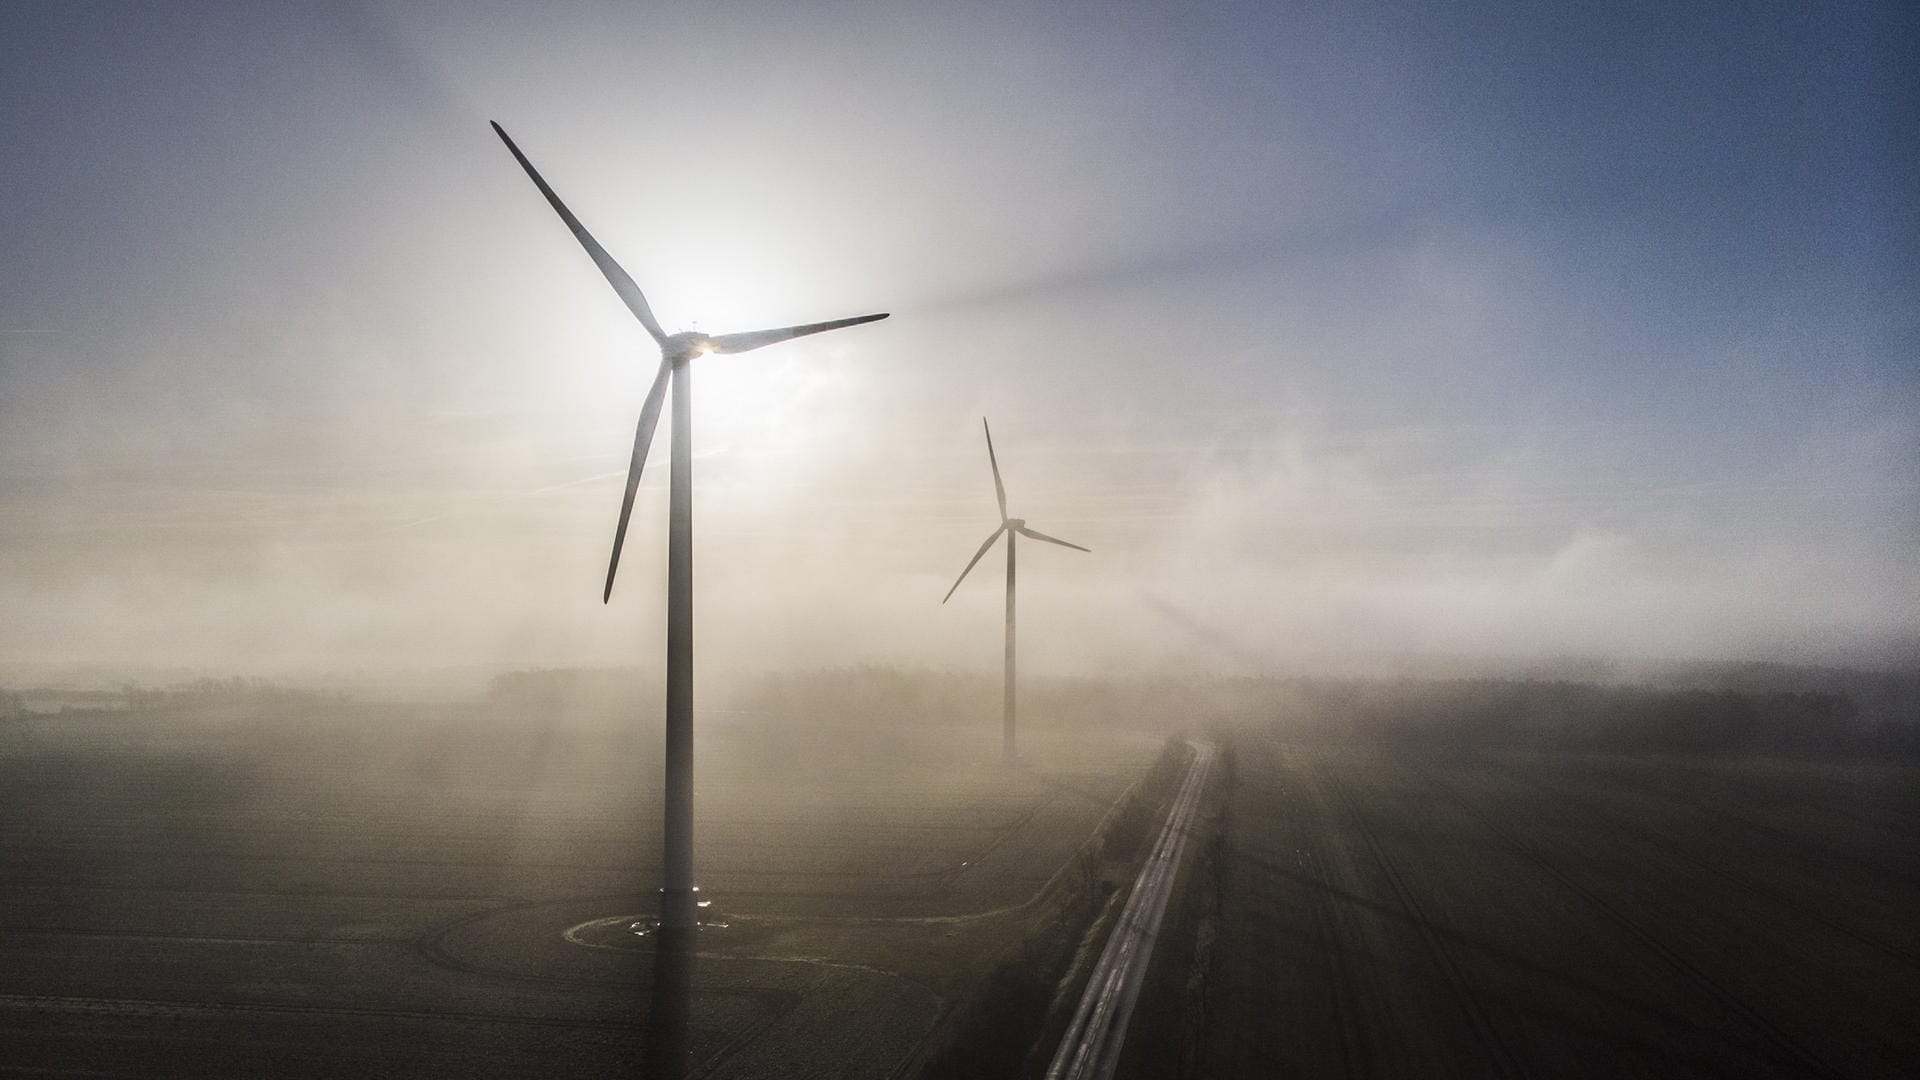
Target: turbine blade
{"points": [[1037, 535], [975, 559], [617, 277], [642, 438], [999, 489], [754, 339]]}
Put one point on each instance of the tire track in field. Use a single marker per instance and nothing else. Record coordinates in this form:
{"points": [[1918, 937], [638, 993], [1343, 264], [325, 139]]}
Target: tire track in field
{"points": [[1785, 835], [430, 944], [1038, 895], [772, 1005], [1266, 825], [204, 939], [1654, 838], [59, 887], [1499, 1054], [578, 936], [1781, 1039], [1752, 789], [1328, 933], [1269, 864], [767, 1017], [70, 1003]]}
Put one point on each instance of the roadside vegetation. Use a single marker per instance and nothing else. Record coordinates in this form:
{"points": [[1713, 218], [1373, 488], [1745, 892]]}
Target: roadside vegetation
{"points": [[1007, 1027]]}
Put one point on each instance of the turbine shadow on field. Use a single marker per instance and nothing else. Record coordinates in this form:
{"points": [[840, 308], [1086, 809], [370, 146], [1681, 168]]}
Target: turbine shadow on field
{"points": [[670, 1003]]}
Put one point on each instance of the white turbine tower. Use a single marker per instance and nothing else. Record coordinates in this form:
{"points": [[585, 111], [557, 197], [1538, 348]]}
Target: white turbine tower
{"points": [[1012, 527], [678, 895]]}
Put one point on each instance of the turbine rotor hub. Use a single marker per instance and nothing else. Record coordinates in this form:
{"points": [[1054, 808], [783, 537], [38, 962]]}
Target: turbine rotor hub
{"points": [[686, 346]]}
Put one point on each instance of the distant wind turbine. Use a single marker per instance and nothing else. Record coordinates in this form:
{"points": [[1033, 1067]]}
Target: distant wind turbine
{"points": [[678, 895], [1011, 526]]}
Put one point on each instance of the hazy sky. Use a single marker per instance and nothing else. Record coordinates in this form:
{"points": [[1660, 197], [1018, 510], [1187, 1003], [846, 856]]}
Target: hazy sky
{"points": [[1333, 330]]}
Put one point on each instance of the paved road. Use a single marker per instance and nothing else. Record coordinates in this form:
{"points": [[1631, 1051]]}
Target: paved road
{"points": [[1091, 1046]]}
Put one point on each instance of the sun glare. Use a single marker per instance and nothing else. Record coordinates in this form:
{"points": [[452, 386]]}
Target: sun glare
{"points": [[763, 406], [718, 287], [769, 408]]}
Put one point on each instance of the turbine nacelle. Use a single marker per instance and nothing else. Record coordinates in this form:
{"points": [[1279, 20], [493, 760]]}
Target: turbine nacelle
{"points": [[1008, 525], [675, 349], [681, 348]]}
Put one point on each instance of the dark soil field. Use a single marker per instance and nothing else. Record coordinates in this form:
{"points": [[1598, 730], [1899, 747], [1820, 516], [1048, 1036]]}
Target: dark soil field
{"points": [[1382, 909], [1396, 879], [332, 889]]}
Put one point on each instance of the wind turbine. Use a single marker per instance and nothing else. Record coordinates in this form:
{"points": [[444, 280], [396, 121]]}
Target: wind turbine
{"points": [[1012, 527], [678, 895]]}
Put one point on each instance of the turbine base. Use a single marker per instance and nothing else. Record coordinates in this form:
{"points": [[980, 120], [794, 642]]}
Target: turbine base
{"points": [[680, 908]]}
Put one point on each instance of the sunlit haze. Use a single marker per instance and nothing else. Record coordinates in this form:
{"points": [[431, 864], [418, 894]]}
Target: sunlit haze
{"points": [[1498, 334]]}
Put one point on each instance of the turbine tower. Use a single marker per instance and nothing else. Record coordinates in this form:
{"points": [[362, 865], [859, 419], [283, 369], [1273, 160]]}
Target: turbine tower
{"points": [[1012, 527], [678, 895]]}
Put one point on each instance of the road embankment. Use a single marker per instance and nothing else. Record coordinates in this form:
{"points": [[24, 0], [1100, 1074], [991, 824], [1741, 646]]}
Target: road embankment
{"points": [[1008, 1027], [1090, 1048]]}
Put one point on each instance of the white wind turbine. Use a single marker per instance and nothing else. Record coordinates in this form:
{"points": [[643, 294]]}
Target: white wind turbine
{"points": [[678, 895], [1012, 527]]}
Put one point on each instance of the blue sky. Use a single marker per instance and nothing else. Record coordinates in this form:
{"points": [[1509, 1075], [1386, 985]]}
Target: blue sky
{"points": [[1479, 330]]}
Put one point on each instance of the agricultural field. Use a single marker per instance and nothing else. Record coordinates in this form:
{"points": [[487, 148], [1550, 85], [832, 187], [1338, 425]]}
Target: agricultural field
{"points": [[348, 888], [1451, 878], [1382, 907]]}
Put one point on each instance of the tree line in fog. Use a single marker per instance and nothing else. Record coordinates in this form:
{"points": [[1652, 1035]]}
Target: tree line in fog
{"points": [[1879, 715]]}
